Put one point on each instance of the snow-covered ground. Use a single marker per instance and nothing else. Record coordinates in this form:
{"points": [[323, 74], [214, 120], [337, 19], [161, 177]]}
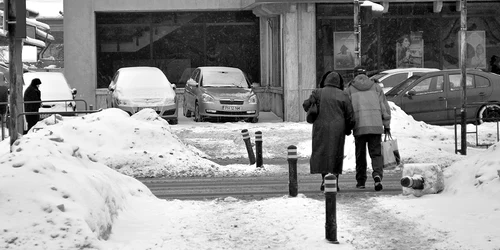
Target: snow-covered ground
{"points": [[68, 184]]}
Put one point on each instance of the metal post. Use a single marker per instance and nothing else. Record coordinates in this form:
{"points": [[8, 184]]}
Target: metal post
{"points": [[463, 66], [455, 126], [3, 123], [293, 185], [413, 182], [357, 34], [258, 148], [331, 208], [246, 139]]}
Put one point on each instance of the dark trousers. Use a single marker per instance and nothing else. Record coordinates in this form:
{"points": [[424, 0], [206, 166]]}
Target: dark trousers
{"points": [[31, 120], [375, 150]]}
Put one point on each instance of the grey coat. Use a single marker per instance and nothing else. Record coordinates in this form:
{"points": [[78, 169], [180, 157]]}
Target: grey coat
{"points": [[334, 122]]}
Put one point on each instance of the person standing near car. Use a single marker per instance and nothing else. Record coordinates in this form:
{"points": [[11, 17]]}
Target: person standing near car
{"points": [[32, 93], [495, 64], [373, 116], [335, 120], [4, 98]]}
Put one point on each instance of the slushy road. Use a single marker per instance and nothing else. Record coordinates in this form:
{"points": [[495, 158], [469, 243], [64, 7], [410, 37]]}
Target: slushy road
{"points": [[262, 187]]}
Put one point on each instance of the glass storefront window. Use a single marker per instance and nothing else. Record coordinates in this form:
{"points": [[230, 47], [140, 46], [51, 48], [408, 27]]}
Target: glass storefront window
{"points": [[436, 33], [180, 42]]}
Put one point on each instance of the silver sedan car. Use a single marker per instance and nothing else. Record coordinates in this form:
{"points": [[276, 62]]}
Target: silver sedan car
{"points": [[220, 92]]}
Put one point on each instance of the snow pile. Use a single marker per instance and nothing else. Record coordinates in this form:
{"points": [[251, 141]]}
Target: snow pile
{"points": [[479, 172], [141, 145], [52, 194]]}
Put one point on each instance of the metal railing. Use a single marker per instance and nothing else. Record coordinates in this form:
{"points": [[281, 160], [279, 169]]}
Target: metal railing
{"points": [[476, 122], [4, 118]]}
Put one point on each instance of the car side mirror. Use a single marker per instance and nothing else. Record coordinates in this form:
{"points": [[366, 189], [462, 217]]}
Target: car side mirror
{"points": [[411, 93], [173, 86], [191, 83], [111, 88], [73, 91]]}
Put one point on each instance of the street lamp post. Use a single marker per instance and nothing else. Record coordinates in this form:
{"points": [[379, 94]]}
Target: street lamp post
{"points": [[463, 82], [372, 9]]}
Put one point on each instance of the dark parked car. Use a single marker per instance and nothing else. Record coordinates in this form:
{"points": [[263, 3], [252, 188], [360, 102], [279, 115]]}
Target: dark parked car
{"points": [[220, 92], [392, 77], [432, 97]]}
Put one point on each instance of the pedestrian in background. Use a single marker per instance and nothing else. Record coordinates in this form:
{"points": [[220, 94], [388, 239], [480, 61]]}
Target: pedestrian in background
{"points": [[32, 93], [4, 97], [373, 116], [335, 121], [495, 64]]}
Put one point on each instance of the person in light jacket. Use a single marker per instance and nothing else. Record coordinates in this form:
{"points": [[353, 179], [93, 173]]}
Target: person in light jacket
{"points": [[335, 121], [373, 116]]}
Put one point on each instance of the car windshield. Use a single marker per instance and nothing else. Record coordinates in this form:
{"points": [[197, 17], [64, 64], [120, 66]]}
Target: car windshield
{"points": [[144, 83], [400, 87], [54, 85], [222, 78]]}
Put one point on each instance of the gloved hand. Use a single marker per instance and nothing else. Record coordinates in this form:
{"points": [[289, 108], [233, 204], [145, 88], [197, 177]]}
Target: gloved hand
{"points": [[387, 130]]}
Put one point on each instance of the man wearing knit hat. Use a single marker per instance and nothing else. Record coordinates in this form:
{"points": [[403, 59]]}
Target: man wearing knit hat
{"points": [[373, 116]]}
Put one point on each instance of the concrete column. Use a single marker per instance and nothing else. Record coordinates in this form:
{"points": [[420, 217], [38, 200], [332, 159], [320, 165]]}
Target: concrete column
{"points": [[299, 53], [291, 63], [80, 52]]}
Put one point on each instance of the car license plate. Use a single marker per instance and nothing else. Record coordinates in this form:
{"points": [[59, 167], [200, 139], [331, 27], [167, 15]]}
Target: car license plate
{"points": [[231, 108], [154, 108]]}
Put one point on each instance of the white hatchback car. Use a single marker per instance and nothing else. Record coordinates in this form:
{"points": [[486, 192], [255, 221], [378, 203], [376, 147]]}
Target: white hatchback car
{"points": [[392, 77], [136, 88]]}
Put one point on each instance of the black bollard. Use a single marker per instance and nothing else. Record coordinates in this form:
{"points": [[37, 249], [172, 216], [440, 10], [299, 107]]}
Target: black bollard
{"points": [[246, 139], [331, 208], [413, 182], [258, 148], [293, 185]]}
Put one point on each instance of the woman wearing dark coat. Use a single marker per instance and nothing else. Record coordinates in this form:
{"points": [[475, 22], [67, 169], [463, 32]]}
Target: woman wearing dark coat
{"points": [[334, 122], [32, 93]]}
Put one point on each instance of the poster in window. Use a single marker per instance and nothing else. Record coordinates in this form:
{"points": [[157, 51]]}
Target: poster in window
{"points": [[476, 49], [343, 50], [410, 51]]}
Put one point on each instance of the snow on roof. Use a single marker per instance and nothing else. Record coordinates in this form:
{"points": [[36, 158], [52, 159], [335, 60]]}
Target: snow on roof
{"points": [[46, 8]]}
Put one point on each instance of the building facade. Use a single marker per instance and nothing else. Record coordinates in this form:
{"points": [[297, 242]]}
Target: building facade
{"points": [[284, 46]]}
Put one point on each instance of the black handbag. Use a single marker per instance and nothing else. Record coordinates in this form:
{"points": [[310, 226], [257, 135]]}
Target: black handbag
{"points": [[312, 113]]}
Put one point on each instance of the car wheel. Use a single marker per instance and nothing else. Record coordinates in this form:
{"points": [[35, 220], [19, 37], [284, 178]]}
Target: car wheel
{"points": [[185, 110], [173, 121], [254, 120], [488, 113], [197, 116]]}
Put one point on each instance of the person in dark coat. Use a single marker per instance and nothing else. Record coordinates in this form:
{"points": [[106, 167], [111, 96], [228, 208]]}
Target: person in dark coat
{"points": [[32, 93], [4, 98], [4, 95], [323, 78], [495, 64], [335, 121]]}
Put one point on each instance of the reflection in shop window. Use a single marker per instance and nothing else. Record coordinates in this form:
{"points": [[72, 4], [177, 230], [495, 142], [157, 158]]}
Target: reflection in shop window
{"points": [[177, 43]]}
